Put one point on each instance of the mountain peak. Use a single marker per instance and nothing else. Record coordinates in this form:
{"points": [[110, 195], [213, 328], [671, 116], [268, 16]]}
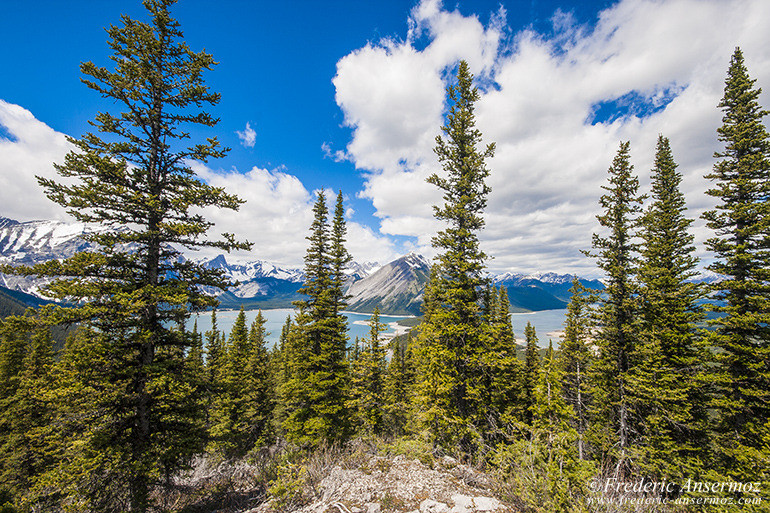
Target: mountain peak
{"points": [[5, 221], [217, 262]]}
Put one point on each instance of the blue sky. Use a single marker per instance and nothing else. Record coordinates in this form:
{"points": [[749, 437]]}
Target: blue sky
{"points": [[344, 94]]}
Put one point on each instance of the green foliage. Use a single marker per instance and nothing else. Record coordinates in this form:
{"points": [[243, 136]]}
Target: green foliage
{"points": [[667, 383], [25, 410], [542, 466], [399, 386], [131, 177], [242, 407], [317, 392], [540, 469], [504, 371], [367, 390], [531, 371], [575, 359], [287, 489], [451, 346], [742, 247], [618, 310]]}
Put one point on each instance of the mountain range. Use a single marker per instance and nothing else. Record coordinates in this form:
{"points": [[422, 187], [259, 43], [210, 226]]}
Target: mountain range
{"points": [[396, 287]]}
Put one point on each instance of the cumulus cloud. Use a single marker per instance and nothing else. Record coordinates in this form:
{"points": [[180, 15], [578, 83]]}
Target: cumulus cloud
{"points": [[29, 148], [277, 216], [658, 66], [248, 136]]}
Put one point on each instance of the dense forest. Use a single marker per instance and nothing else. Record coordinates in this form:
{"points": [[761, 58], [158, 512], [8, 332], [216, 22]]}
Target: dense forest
{"points": [[643, 399]]}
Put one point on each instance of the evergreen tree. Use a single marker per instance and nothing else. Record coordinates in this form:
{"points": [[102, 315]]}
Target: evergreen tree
{"points": [[575, 359], [618, 310], [453, 333], [667, 380], [214, 350], [228, 410], [295, 407], [317, 391], [259, 387], [13, 348], [88, 474], [399, 383], [507, 370], [543, 469], [26, 414], [368, 400], [531, 370], [135, 182], [280, 360], [565, 474], [742, 248], [339, 258]]}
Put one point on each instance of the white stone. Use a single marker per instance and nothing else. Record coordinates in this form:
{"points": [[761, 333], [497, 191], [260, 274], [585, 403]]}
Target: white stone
{"points": [[486, 504], [373, 507], [431, 506], [463, 504]]}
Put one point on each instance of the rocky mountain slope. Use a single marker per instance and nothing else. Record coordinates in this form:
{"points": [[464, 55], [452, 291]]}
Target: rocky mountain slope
{"points": [[396, 288]]}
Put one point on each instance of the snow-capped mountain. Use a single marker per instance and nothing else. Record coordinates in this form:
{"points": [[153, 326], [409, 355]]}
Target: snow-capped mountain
{"points": [[356, 271], [553, 278], [37, 241], [28, 243], [396, 288], [540, 291], [33, 242], [244, 272]]}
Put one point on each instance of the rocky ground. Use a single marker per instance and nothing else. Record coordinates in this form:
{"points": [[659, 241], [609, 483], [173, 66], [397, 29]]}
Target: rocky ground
{"points": [[361, 484], [400, 484]]}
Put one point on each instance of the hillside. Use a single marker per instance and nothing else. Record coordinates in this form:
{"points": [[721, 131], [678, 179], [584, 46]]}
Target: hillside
{"points": [[396, 288]]}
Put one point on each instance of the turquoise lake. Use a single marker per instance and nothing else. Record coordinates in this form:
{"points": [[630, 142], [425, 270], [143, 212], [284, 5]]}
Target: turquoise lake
{"points": [[547, 323]]}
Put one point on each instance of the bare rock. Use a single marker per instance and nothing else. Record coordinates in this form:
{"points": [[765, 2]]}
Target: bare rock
{"points": [[431, 506], [487, 504]]}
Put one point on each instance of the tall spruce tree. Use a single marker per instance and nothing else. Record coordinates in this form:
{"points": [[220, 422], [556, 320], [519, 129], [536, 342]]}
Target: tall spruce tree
{"points": [[618, 310], [453, 333], [531, 371], [399, 384], [667, 381], [506, 391], [369, 369], [318, 388], [575, 358], [228, 409], [259, 389], [741, 221], [25, 417], [134, 181]]}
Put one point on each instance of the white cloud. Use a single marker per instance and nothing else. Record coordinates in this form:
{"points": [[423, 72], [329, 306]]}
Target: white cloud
{"points": [[277, 216], [550, 161], [30, 151], [248, 137]]}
